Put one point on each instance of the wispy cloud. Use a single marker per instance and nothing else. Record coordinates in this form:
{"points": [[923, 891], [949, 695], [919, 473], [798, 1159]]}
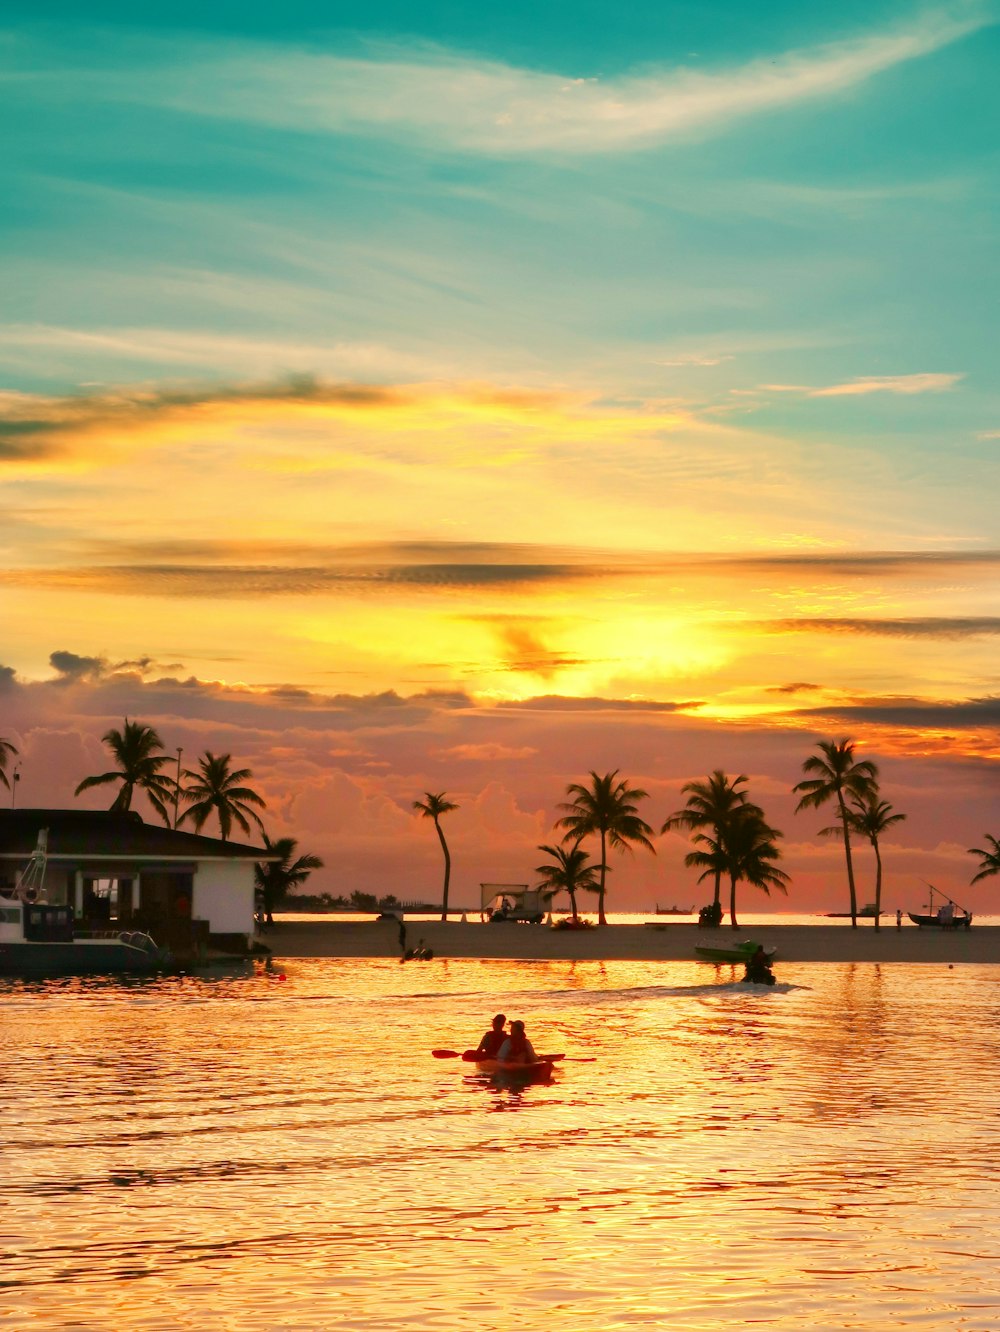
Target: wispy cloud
{"points": [[918, 713], [923, 626], [924, 383], [863, 385], [482, 106]]}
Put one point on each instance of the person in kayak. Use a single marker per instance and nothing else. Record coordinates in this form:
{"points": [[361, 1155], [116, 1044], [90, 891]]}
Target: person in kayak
{"points": [[517, 1049], [489, 1046], [758, 970]]}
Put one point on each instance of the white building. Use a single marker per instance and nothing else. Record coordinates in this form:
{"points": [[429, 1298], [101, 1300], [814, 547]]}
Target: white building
{"points": [[117, 871]]}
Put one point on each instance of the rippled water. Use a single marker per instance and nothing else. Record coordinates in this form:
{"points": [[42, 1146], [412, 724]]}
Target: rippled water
{"points": [[253, 1152]]}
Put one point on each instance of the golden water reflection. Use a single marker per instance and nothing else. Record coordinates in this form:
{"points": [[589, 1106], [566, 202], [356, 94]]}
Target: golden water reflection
{"points": [[250, 1153]]}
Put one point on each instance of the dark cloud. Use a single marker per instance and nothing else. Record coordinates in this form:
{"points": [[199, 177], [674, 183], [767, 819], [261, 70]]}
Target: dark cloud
{"points": [[242, 581], [36, 427], [8, 679], [797, 687], [920, 626], [73, 667], [860, 563], [560, 703], [967, 714]]}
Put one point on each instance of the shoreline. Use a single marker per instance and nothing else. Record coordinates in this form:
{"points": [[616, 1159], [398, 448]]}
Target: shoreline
{"points": [[673, 942]]}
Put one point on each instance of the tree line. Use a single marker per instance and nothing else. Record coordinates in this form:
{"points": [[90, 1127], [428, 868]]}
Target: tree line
{"points": [[730, 834]]}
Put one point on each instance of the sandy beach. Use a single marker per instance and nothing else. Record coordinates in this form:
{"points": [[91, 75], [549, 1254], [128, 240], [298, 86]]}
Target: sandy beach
{"points": [[669, 942]]}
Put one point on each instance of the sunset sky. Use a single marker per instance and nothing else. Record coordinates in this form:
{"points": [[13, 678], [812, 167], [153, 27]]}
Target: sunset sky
{"points": [[428, 398]]}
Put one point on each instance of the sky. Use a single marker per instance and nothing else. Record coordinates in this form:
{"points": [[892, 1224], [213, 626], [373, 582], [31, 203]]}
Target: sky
{"points": [[428, 398]]}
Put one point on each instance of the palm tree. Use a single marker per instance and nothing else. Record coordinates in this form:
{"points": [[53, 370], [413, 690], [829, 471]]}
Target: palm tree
{"points": [[216, 788], [568, 872], [275, 878], [990, 859], [710, 805], [7, 750], [838, 774], [432, 808], [746, 850], [870, 817], [606, 807], [133, 748]]}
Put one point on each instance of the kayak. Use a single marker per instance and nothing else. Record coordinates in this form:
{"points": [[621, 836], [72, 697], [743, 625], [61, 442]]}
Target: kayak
{"points": [[538, 1071], [740, 952]]}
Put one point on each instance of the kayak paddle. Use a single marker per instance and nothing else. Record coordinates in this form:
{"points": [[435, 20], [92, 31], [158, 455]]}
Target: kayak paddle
{"points": [[473, 1056]]}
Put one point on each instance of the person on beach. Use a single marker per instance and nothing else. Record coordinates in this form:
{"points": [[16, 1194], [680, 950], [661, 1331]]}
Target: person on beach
{"points": [[489, 1046], [517, 1049], [899, 919]]}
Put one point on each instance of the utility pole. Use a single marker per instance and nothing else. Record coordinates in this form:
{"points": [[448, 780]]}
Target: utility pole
{"points": [[177, 785]]}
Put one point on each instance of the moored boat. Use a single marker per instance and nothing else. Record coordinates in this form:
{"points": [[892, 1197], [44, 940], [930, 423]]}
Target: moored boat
{"points": [[39, 939], [948, 916], [736, 953]]}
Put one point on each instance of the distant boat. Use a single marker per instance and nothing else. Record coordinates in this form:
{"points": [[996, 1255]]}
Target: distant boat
{"points": [[675, 911], [868, 911]]}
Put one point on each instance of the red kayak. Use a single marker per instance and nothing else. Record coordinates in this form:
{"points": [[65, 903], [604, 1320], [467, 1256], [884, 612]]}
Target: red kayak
{"points": [[540, 1070]]}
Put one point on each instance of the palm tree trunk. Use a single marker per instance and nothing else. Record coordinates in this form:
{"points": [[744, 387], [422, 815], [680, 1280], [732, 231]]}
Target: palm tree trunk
{"points": [[447, 871], [572, 903], [601, 917], [732, 902], [718, 890], [878, 882], [850, 863]]}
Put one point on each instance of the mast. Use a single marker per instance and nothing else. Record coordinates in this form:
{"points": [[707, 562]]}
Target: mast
{"points": [[31, 878]]}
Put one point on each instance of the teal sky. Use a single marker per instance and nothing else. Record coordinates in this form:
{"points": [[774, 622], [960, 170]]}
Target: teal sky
{"points": [[427, 352], [806, 201]]}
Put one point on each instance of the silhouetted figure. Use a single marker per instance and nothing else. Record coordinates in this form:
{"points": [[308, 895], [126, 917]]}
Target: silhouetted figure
{"points": [[517, 1049], [489, 1046], [758, 971]]}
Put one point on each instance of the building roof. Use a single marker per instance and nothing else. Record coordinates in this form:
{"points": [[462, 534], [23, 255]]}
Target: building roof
{"points": [[104, 834]]}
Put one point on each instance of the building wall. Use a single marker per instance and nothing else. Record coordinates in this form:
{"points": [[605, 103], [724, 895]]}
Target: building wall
{"points": [[223, 895]]}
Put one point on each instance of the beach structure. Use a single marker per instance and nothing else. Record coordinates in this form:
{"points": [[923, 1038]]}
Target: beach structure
{"points": [[512, 902], [190, 892]]}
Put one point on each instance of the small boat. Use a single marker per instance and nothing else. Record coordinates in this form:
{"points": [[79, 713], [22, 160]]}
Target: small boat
{"points": [[39, 939], [869, 911], [948, 916], [674, 911], [538, 1071], [736, 953]]}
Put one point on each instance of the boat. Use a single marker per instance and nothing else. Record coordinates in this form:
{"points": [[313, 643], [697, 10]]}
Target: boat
{"points": [[736, 953], [540, 1070], [39, 939], [674, 911], [869, 911], [948, 916]]}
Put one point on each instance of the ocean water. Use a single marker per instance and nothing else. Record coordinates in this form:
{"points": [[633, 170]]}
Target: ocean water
{"points": [[279, 1150]]}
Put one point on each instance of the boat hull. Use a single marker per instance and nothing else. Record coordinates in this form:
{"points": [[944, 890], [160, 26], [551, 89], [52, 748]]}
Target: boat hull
{"points": [[932, 922], [539, 1071], [79, 957], [740, 953]]}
